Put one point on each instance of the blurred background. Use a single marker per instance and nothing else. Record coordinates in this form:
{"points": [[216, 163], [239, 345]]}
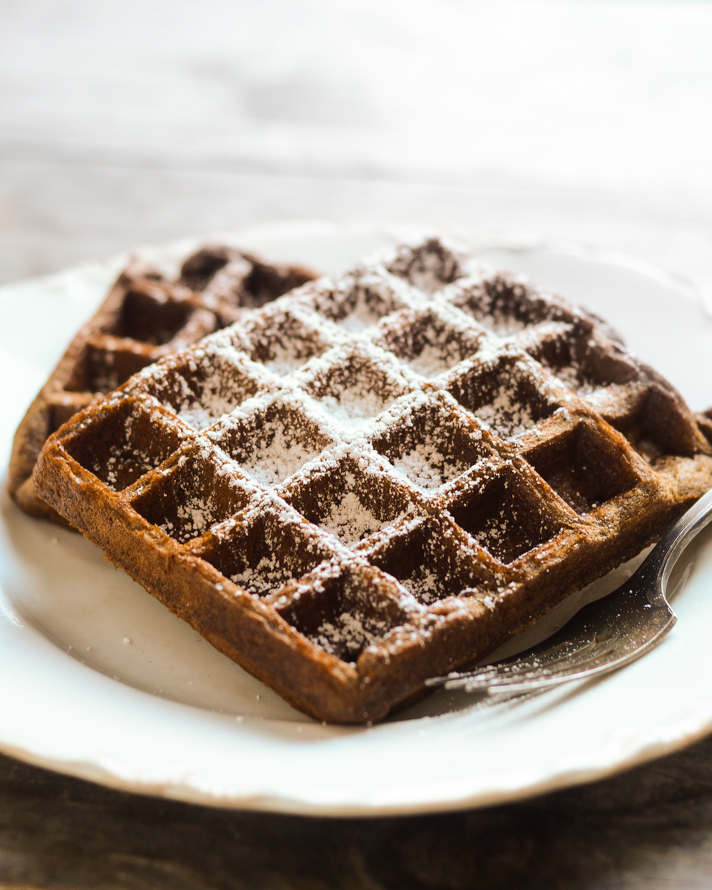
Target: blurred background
{"points": [[143, 120]]}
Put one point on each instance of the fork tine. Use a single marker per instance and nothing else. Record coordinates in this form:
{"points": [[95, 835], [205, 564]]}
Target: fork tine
{"points": [[591, 664], [605, 635], [535, 670], [564, 651], [530, 672], [541, 660]]}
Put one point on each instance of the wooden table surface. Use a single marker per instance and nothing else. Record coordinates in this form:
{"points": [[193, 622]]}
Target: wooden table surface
{"points": [[567, 121]]}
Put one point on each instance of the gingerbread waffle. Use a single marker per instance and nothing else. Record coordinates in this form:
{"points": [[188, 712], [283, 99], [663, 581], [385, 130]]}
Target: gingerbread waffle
{"points": [[145, 316], [381, 477]]}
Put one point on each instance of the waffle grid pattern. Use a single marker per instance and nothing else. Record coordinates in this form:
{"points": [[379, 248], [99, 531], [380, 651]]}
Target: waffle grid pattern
{"points": [[378, 478], [146, 316]]}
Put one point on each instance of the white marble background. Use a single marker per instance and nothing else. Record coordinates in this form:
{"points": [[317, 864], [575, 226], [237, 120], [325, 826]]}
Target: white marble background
{"points": [[142, 120]]}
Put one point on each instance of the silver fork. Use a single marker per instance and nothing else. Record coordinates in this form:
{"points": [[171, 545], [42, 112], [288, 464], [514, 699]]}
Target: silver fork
{"points": [[603, 636]]}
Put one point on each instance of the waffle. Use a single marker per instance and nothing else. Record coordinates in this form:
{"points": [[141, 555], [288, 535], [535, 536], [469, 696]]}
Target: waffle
{"points": [[145, 316], [381, 477]]}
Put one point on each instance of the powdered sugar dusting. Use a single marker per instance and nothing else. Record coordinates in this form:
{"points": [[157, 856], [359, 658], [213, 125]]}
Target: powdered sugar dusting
{"points": [[350, 520], [497, 531], [194, 516], [507, 416], [367, 311], [503, 325], [424, 585], [427, 467], [286, 358], [352, 633], [201, 417], [271, 464], [433, 360], [353, 405], [429, 266], [264, 578], [570, 376], [141, 463]]}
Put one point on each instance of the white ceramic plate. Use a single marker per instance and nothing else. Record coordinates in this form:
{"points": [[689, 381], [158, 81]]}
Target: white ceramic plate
{"points": [[100, 681]]}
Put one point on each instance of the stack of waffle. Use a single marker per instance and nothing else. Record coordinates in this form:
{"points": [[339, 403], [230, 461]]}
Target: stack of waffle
{"points": [[381, 477]]}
